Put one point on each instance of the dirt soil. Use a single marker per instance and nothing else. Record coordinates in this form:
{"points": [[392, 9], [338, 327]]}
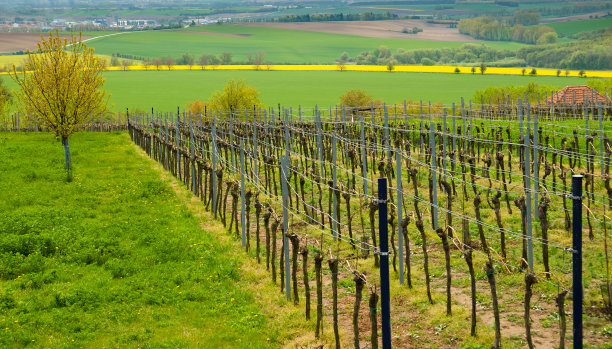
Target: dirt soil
{"points": [[378, 29], [12, 42]]}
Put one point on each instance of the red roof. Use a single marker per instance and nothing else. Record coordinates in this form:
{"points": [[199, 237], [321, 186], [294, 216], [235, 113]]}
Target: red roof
{"points": [[577, 95]]}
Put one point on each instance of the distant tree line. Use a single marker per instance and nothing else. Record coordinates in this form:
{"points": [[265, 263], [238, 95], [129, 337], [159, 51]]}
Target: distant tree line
{"points": [[224, 58], [585, 54], [326, 17], [575, 9], [499, 29], [467, 53], [127, 56], [582, 54]]}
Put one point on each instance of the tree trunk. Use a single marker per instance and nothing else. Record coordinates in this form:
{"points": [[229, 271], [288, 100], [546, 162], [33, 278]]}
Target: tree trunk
{"points": [[67, 160]]}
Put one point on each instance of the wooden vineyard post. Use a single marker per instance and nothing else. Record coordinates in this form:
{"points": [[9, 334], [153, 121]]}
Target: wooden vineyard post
{"points": [[178, 144], [214, 165], [284, 184], [386, 127], [320, 156], [434, 177], [421, 130], [334, 189], [527, 174], [166, 141], [242, 195], [536, 166], [471, 129], [398, 176], [255, 156], [364, 159], [464, 134], [454, 153], [384, 263], [192, 153], [231, 145], [444, 144], [601, 139]]}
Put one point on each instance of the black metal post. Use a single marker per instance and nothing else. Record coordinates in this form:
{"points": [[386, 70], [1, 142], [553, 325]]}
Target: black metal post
{"points": [[384, 263], [577, 259]]}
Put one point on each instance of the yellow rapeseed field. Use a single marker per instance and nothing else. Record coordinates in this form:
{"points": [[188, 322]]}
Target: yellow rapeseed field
{"points": [[367, 68]]}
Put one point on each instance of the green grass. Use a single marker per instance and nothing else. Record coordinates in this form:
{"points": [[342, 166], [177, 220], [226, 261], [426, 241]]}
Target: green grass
{"points": [[114, 258], [280, 45], [164, 90], [575, 27]]}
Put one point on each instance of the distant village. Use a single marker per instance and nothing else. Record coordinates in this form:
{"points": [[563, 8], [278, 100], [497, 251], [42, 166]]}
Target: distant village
{"points": [[20, 25]]}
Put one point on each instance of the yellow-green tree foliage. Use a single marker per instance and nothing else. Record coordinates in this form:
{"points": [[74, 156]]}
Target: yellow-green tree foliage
{"points": [[5, 98], [60, 86], [354, 98], [236, 97], [196, 107]]}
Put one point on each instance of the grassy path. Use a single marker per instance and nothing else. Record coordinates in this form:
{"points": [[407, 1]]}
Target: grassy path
{"points": [[115, 258]]}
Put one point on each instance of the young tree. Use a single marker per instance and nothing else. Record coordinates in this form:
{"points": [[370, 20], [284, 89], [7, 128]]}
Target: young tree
{"points": [[390, 66], [226, 58], [168, 61], [157, 62], [64, 87], [533, 72], [523, 71], [125, 63], [355, 98], [236, 97], [260, 57], [197, 106], [473, 70], [457, 70], [6, 100], [483, 68], [186, 59], [558, 72]]}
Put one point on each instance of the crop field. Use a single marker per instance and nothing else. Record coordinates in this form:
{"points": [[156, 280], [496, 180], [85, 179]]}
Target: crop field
{"points": [[575, 27], [167, 90], [280, 45]]}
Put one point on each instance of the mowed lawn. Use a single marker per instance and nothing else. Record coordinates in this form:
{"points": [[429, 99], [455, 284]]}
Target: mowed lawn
{"points": [[280, 45], [167, 90], [112, 259]]}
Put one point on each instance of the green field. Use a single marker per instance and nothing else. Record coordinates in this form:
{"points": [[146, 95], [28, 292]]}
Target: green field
{"points": [[575, 27], [280, 45], [165, 90], [114, 258]]}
